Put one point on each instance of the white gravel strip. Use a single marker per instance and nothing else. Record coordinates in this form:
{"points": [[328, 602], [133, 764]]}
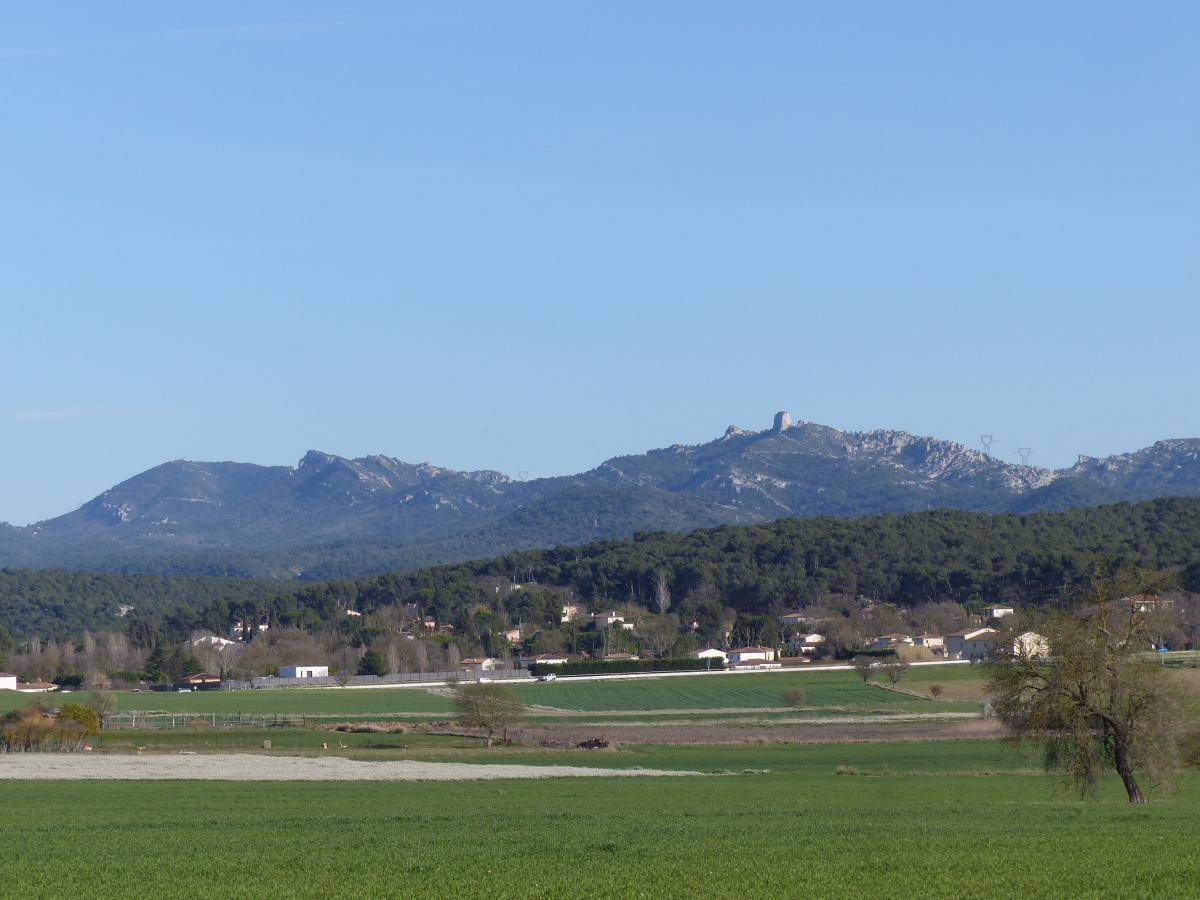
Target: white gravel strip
{"points": [[251, 767]]}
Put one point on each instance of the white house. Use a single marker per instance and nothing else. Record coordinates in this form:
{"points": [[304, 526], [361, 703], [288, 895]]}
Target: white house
{"points": [[998, 612], [478, 664], [513, 635], [930, 641], [36, 687], [570, 612], [303, 671], [708, 653], [747, 654], [604, 619], [8, 682], [794, 619], [971, 643]]}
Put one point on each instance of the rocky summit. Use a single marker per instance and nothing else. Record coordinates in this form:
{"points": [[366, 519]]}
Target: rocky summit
{"points": [[332, 515]]}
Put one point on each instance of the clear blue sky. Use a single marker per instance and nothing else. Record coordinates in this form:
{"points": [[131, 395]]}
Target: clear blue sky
{"points": [[529, 236]]}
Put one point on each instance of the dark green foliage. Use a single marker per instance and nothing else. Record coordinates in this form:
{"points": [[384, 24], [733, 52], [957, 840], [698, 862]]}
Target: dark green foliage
{"points": [[758, 570], [372, 663]]}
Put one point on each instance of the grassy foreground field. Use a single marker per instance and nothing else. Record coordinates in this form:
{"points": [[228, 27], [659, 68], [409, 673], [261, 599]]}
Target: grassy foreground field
{"points": [[925, 819], [830, 690]]}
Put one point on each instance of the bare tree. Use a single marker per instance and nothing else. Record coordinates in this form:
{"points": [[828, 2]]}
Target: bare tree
{"points": [[103, 704], [895, 668], [864, 667], [1098, 703], [662, 592], [491, 707]]}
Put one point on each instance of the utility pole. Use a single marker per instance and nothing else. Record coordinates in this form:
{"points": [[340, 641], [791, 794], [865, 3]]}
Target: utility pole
{"points": [[987, 440], [1024, 452]]}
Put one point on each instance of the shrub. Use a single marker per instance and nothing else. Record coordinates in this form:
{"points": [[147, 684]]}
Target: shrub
{"points": [[86, 717], [935, 691], [795, 696]]}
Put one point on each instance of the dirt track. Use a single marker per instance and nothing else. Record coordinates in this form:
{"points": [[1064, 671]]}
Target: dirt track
{"points": [[251, 767]]}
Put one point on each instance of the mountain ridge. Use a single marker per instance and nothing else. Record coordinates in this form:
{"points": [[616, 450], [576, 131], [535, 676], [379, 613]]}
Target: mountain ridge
{"points": [[310, 519]]}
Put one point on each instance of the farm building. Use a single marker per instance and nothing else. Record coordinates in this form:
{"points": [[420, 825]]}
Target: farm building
{"points": [[36, 687], [303, 671], [478, 664], [8, 682], [708, 653], [748, 654], [971, 643]]}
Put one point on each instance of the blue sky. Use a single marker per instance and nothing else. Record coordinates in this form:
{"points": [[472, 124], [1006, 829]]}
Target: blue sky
{"points": [[530, 236]]}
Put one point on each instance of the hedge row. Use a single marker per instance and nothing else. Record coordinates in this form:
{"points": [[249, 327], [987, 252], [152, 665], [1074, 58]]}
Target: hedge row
{"points": [[602, 667]]}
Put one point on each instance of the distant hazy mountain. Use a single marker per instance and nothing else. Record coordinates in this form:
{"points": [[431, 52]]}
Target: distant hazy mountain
{"points": [[333, 516]]}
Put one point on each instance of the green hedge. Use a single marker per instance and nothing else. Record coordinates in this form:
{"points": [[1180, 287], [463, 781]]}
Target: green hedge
{"points": [[601, 667]]}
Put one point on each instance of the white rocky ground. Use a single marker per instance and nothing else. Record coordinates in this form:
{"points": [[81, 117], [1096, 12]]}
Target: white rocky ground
{"points": [[252, 767]]}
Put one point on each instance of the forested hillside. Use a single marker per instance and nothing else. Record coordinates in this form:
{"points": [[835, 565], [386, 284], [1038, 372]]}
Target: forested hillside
{"points": [[942, 555]]}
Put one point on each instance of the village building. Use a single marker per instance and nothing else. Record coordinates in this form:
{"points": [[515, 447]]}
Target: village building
{"points": [[8, 682], [934, 642], [36, 687], [998, 612], [750, 654], [708, 653], [620, 657], [304, 671], [570, 612], [970, 643], [478, 664], [795, 619]]}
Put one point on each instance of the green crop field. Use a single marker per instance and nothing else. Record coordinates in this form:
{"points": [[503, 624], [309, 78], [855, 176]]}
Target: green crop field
{"points": [[950, 819], [830, 690], [758, 691]]}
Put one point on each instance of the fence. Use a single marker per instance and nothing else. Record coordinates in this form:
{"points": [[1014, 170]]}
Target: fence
{"points": [[157, 720], [400, 678]]}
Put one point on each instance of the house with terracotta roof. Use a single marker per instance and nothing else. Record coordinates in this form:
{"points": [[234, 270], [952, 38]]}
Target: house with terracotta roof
{"points": [[971, 643], [748, 654]]}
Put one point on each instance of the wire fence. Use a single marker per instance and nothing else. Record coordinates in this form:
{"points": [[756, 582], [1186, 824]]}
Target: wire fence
{"points": [[399, 678], [158, 720]]}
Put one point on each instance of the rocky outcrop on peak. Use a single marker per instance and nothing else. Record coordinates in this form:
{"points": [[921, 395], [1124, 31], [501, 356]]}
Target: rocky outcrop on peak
{"points": [[239, 518]]}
